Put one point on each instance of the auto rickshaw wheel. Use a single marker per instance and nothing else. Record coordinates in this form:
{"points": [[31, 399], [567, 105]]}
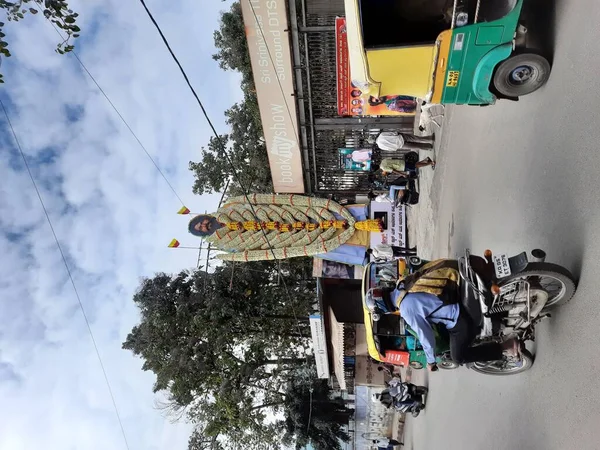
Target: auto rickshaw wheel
{"points": [[521, 74], [416, 365]]}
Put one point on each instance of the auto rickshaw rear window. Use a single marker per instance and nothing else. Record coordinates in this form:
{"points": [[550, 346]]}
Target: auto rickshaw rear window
{"points": [[392, 23]]}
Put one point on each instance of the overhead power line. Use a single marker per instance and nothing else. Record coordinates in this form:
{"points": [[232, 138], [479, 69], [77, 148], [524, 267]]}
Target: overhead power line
{"points": [[222, 147], [64, 259], [142, 146]]}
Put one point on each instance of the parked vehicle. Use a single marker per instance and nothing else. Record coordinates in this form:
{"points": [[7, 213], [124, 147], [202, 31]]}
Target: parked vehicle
{"points": [[389, 339], [461, 51], [403, 397], [503, 296]]}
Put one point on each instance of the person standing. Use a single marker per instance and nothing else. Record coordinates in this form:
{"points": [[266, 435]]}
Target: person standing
{"points": [[403, 168], [387, 443], [391, 141], [386, 252]]}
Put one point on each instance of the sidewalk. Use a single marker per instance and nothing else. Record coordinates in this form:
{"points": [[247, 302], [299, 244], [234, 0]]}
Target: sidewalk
{"points": [[420, 218]]}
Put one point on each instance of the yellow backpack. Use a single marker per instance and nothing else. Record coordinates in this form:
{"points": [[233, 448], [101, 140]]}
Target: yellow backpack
{"points": [[440, 278]]}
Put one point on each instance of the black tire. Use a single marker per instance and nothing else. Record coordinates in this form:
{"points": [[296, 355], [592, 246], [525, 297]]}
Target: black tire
{"points": [[527, 363], [415, 261], [521, 74], [551, 270], [416, 365], [448, 364]]}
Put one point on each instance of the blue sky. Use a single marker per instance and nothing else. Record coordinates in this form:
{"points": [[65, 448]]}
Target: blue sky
{"points": [[112, 212]]}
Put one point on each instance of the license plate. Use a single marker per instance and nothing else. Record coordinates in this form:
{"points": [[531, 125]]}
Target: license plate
{"points": [[502, 266], [453, 76]]}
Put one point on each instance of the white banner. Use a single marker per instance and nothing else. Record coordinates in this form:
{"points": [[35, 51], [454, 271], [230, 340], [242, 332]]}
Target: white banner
{"points": [[395, 219], [268, 43], [319, 346]]}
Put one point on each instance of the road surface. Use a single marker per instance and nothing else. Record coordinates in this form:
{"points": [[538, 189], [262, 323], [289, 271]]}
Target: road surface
{"points": [[517, 176]]}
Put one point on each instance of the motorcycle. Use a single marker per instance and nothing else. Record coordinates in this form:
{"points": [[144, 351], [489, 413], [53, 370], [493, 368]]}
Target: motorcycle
{"points": [[403, 397], [507, 297]]}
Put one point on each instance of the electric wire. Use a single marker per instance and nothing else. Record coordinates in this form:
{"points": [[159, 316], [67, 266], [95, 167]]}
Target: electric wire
{"points": [[70, 275], [222, 146]]}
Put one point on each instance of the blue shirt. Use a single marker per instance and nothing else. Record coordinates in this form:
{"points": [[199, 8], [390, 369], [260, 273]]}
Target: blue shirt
{"points": [[417, 309]]}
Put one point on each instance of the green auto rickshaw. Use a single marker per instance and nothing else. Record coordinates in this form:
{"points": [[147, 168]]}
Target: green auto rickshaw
{"points": [[442, 51]]}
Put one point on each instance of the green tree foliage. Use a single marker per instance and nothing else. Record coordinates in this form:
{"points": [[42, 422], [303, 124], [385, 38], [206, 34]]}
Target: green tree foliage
{"points": [[56, 11], [222, 344], [313, 416], [245, 143], [246, 148], [232, 46]]}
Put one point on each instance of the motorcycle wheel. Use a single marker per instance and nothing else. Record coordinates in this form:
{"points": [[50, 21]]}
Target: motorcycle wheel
{"points": [[504, 367], [448, 364], [557, 281]]}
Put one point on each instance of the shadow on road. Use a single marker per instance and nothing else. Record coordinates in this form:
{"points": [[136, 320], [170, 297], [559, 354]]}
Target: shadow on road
{"points": [[539, 16]]}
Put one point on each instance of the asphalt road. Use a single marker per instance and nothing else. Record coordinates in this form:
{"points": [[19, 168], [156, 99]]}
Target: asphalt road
{"points": [[513, 177]]}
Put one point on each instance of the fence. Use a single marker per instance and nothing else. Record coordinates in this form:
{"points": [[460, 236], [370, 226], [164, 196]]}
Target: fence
{"points": [[327, 132]]}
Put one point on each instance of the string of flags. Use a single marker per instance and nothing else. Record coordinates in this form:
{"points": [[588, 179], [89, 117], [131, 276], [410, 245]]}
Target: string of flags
{"points": [[174, 242]]}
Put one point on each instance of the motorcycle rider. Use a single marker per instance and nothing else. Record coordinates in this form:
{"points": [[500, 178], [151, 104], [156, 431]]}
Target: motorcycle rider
{"points": [[431, 297]]}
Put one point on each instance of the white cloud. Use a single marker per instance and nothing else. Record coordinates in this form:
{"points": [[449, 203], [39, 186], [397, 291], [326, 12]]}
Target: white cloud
{"points": [[111, 210]]}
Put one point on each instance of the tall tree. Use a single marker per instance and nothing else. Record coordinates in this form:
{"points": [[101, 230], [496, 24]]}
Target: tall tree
{"points": [[56, 11], [313, 416], [223, 344], [245, 143], [246, 148], [232, 45]]}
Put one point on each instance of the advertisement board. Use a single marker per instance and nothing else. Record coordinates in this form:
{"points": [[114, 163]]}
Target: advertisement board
{"points": [[356, 99], [366, 373], [317, 333], [355, 159], [394, 219], [323, 268], [266, 31]]}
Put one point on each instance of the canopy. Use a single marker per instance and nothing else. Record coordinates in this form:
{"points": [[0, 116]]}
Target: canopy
{"points": [[390, 70], [359, 65], [371, 347]]}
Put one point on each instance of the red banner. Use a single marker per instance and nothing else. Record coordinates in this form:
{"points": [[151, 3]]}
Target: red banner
{"points": [[343, 67], [351, 100]]}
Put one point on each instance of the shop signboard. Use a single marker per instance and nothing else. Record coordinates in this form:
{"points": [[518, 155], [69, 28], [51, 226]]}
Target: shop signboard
{"points": [[317, 333], [268, 45]]}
